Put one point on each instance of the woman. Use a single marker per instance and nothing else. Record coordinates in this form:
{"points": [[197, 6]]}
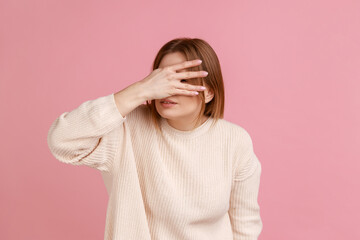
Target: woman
{"points": [[173, 167]]}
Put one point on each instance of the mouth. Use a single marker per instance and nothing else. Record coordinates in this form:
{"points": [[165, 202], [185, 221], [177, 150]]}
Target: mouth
{"points": [[167, 101]]}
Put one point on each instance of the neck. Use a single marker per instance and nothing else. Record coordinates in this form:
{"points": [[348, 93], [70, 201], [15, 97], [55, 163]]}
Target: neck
{"points": [[182, 125]]}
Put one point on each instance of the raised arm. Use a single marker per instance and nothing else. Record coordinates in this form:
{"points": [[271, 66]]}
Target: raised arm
{"points": [[90, 134]]}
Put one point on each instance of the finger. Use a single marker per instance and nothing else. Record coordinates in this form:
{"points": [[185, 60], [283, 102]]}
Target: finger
{"points": [[189, 87], [185, 92], [185, 64], [190, 74]]}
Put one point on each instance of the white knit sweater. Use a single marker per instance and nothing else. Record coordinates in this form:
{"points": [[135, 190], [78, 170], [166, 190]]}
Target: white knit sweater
{"points": [[199, 184]]}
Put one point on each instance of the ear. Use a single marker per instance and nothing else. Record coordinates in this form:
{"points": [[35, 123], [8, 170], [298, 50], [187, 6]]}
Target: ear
{"points": [[209, 94]]}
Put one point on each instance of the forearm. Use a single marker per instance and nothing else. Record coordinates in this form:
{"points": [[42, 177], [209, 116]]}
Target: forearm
{"points": [[85, 135], [130, 97], [244, 209]]}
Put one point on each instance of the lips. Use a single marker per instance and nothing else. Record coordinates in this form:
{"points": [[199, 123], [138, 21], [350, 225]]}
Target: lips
{"points": [[166, 100]]}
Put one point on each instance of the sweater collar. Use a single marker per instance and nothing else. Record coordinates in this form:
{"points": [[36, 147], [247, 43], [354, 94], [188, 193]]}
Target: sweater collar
{"points": [[203, 128]]}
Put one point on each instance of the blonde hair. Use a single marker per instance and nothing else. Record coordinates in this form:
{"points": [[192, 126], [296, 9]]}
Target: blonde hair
{"points": [[195, 48]]}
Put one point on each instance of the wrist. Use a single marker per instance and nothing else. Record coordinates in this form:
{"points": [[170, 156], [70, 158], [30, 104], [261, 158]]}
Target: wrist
{"points": [[142, 91]]}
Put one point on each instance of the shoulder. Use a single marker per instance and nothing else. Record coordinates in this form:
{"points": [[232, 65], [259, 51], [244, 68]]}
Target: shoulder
{"points": [[140, 112], [140, 116], [237, 139], [234, 131], [241, 146]]}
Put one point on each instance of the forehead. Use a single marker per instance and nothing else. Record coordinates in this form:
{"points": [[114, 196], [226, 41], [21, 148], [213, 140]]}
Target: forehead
{"points": [[171, 59]]}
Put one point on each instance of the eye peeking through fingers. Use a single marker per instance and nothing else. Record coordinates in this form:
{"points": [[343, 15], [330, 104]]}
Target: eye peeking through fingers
{"points": [[183, 80]]}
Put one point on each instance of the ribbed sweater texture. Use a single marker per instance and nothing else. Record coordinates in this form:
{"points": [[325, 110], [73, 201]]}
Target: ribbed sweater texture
{"points": [[201, 184]]}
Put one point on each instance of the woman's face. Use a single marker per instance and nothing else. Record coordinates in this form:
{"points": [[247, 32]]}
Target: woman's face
{"points": [[182, 114]]}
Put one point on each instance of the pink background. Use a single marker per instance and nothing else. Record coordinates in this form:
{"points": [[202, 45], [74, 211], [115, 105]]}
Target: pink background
{"points": [[291, 72]]}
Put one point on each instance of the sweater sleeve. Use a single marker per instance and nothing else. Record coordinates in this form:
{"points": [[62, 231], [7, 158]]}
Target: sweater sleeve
{"points": [[88, 135], [244, 210]]}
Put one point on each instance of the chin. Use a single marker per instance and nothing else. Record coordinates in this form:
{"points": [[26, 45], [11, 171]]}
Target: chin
{"points": [[167, 113]]}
